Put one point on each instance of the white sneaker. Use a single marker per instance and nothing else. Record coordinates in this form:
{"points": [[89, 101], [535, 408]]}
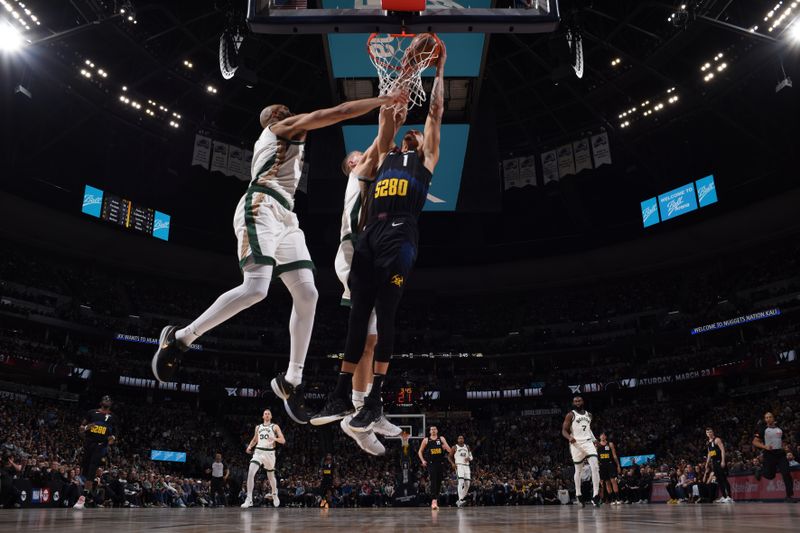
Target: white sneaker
{"points": [[79, 504], [721, 500], [461, 503], [276, 502], [247, 503], [367, 440], [386, 428], [729, 500]]}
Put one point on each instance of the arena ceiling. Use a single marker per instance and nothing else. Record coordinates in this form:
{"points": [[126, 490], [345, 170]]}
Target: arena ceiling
{"points": [[167, 53]]}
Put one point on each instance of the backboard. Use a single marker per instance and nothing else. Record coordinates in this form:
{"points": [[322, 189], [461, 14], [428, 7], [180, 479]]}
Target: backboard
{"points": [[369, 16]]}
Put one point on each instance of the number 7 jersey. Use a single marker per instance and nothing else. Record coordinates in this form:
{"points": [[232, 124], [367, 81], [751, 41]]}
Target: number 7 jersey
{"points": [[401, 186]]}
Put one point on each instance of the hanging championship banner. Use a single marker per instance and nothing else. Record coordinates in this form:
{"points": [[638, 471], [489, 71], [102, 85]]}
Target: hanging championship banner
{"points": [[219, 157], [566, 163], [511, 173], [583, 158], [527, 170], [549, 166], [202, 151], [235, 159], [247, 163], [601, 149]]}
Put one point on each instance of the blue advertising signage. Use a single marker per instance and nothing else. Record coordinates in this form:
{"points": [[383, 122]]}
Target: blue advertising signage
{"points": [[92, 201], [349, 57], [650, 212], [636, 460], [677, 202], [706, 191], [161, 226], [443, 193], [164, 455]]}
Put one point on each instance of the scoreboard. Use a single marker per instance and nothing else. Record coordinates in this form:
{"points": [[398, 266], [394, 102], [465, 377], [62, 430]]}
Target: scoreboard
{"points": [[123, 212]]}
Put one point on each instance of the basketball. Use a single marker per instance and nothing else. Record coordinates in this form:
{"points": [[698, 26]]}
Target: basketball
{"points": [[424, 47]]}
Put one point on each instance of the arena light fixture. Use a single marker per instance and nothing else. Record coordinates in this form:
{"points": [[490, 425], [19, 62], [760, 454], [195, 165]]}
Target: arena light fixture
{"points": [[211, 89], [187, 63], [10, 38], [794, 31]]}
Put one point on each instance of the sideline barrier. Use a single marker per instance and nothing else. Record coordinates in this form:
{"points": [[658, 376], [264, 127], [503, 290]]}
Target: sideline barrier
{"points": [[744, 487]]}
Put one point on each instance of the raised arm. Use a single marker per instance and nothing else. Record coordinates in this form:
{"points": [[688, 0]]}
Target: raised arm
{"points": [[566, 429], [279, 438], [299, 124], [389, 121], [433, 124]]}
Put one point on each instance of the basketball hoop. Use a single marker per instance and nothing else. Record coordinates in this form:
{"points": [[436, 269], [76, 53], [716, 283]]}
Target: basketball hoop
{"points": [[400, 65]]}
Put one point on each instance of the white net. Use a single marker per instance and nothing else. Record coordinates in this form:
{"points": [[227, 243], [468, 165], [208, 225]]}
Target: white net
{"points": [[400, 65]]}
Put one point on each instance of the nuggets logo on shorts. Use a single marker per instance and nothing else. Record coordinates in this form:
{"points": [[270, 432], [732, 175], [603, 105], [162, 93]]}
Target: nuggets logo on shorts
{"points": [[397, 279]]}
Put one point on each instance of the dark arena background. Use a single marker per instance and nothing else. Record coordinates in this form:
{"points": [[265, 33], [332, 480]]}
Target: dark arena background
{"points": [[614, 218]]}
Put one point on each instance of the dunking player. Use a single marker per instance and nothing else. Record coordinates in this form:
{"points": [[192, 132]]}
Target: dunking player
{"points": [[609, 468], [578, 431], [97, 429], [262, 446], [270, 243], [385, 253], [462, 456], [435, 446], [715, 460], [769, 439], [360, 170]]}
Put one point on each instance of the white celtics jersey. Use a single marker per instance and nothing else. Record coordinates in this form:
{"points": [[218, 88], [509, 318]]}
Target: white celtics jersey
{"points": [[352, 206], [266, 436], [277, 163], [463, 456], [582, 426]]}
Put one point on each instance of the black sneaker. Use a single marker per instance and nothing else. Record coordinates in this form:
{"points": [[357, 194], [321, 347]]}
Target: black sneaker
{"points": [[336, 408], [294, 400], [367, 416], [597, 501], [167, 359]]}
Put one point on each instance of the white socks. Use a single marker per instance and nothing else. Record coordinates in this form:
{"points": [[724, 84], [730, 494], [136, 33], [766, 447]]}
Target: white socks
{"points": [[358, 396], [273, 484], [251, 480], [253, 289], [577, 479], [463, 488], [594, 464], [304, 304]]}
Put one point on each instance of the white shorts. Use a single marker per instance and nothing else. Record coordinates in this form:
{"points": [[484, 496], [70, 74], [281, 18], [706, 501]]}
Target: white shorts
{"points": [[462, 472], [344, 258], [268, 233], [582, 450], [264, 458]]}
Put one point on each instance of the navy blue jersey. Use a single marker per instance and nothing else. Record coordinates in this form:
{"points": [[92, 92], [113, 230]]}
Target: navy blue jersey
{"points": [[401, 186], [100, 425]]}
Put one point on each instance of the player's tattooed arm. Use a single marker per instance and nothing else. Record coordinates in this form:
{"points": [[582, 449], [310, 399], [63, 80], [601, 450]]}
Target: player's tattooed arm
{"points": [[565, 428], [279, 438]]}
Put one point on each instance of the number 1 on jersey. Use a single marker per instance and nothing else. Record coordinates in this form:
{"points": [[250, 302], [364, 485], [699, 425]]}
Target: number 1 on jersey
{"points": [[405, 160]]}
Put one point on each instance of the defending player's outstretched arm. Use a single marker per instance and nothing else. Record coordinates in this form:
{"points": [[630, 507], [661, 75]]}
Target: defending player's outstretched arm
{"points": [[291, 127], [433, 124]]}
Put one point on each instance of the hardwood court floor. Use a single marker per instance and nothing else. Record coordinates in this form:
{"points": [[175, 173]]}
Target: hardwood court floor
{"points": [[736, 518]]}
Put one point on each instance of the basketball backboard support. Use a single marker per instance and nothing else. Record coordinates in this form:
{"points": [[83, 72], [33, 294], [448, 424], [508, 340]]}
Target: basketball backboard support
{"points": [[367, 16]]}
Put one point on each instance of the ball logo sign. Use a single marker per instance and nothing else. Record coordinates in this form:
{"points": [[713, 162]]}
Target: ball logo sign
{"points": [[677, 202], [706, 191], [650, 212]]}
